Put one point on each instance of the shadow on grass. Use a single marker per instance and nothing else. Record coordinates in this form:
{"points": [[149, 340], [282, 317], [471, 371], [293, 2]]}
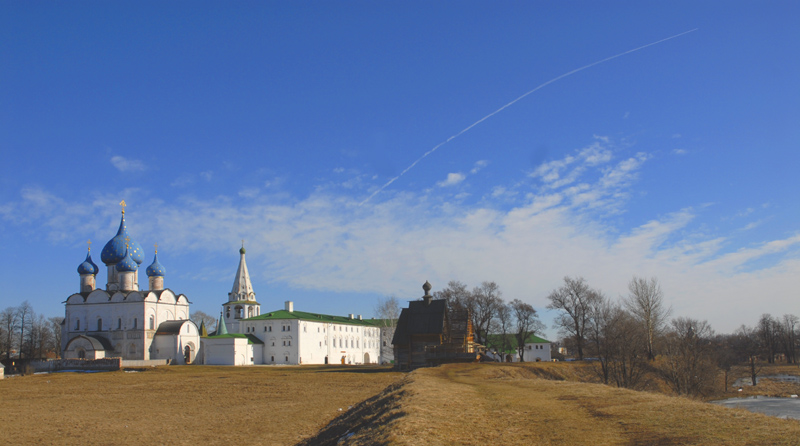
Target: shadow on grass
{"points": [[366, 422]]}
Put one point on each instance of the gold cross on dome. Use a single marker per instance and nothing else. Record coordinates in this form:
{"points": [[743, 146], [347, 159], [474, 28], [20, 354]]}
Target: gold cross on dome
{"points": [[128, 242], [89, 242], [156, 245], [122, 203]]}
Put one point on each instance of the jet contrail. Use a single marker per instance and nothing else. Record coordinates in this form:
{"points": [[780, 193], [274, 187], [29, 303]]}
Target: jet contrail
{"points": [[569, 73]]}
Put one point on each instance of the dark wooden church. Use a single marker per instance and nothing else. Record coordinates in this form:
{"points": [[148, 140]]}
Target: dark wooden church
{"points": [[427, 334]]}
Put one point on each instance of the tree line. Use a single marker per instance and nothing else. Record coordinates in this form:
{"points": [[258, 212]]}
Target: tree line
{"points": [[27, 335], [633, 337]]}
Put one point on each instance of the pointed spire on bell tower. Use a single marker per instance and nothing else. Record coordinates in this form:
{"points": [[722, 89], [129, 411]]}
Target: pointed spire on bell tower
{"points": [[242, 288]]}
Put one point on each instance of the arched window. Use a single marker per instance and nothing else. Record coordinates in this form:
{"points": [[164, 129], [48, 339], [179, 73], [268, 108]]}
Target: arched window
{"points": [[99, 324], [77, 324], [135, 323], [152, 322], [119, 323], [334, 342], [132, 349]]}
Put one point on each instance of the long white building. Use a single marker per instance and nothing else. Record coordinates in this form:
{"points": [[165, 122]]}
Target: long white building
{"points": [[286, 336]]}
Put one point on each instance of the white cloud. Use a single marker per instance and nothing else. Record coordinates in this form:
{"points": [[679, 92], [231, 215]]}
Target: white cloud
{"points": [[559, 173], [679, 151], [126, 165], [249, 192], [325, 241], [478, 166], [452, 179]]}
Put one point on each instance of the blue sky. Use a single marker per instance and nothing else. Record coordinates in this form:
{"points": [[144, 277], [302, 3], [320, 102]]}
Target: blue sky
{"points": [[277, 122]]}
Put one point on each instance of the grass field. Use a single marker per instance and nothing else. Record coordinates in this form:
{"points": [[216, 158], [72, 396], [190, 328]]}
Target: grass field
{"points": [[182, 405], [536, 404]]}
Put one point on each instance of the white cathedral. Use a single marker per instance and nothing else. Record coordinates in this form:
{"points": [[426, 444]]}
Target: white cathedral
{"points": [[142, 325]]}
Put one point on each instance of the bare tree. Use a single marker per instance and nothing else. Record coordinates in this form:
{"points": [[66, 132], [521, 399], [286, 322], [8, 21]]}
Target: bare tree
{"points": [[456, 294], [575, 300], [483, 304], [767, 329], [24, 314], [39, 338], [503, 324], [387, 311], [9, 319], [527, 324], [54, 324], [646, 302], [201, 318], [687, 363], [747, 343], [618, 342], [788, 337]]}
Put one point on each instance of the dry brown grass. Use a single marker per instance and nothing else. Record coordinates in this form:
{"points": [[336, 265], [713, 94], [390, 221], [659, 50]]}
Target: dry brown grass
{"points": [[511, 404], [531, 404], [183, 405]]}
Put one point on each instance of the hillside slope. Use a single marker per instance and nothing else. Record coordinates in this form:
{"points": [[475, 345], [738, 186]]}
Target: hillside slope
{"points": [[514, 404]]}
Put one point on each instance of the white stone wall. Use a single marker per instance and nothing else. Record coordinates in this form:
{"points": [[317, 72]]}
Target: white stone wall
{"points": [[172, 347], [540, 351], [125, 320], [227, 351]]}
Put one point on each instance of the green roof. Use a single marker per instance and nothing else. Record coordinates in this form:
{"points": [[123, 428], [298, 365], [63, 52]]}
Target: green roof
{"points": [[314, 317], [251, 339], [495, 340], [536, 340]]}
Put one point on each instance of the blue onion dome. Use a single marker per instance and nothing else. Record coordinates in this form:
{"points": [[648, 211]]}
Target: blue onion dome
{"points": [[88, 267], [136, 252], [155, 269], [127, 264], [117, 248]]}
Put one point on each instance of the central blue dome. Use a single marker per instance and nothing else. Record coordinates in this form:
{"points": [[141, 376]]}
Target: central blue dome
{"points": [[117, 248]]}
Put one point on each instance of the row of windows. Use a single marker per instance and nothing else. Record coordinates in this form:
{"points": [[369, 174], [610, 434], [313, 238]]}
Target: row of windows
{"points": [[151, 323]]}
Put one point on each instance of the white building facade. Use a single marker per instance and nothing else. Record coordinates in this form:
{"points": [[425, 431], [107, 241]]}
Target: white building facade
{"points": [[287, 337], [122, 320], [536, 349], [299, 337]]}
